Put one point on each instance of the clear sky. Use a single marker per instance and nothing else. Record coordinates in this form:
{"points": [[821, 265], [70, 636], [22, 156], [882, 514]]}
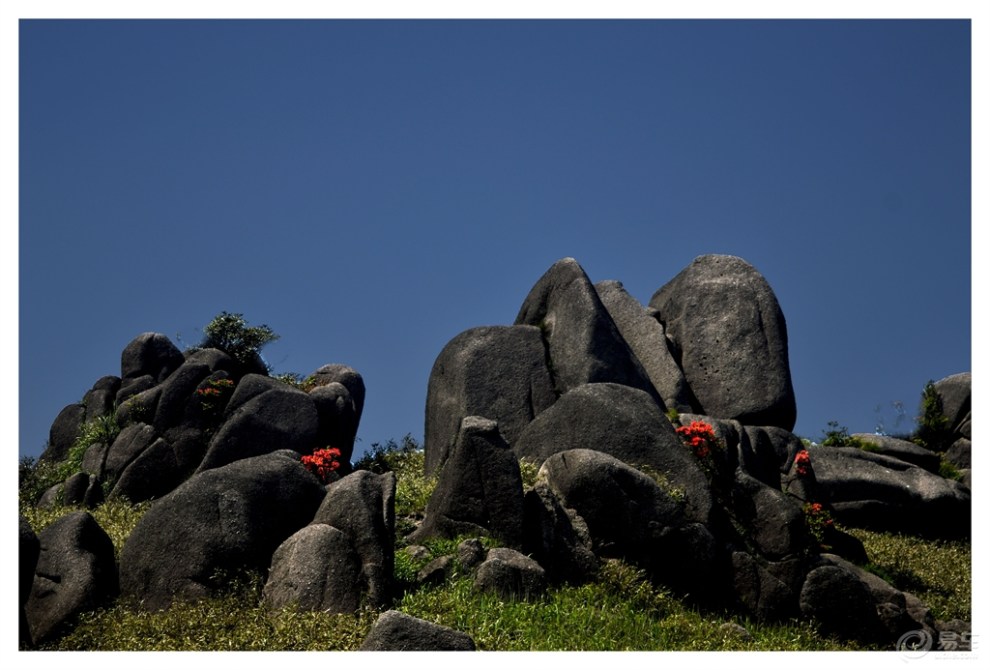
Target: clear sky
{"points": [[371, 189]]}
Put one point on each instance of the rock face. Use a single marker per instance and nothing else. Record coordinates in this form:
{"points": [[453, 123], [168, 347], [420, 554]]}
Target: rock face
{"points": [[220, 521], [479, 488], [885, 493], [362, 506], [499, 372], [75, 573], [645, 335], [510, 574], [316, 569], [955, 392], [395, 631], [909, 452], [730, 339], [625, 423], [63, 432], [583, 342], [28, 549]]}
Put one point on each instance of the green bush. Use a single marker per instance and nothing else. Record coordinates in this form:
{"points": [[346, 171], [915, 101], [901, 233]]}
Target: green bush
{"points": [[933, 431], [838, 436], [231, 334]]}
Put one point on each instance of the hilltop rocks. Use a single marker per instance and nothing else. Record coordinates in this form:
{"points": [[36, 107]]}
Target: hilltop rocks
{"points": [[955, 392], [151, 354], [63, 432], [499, 372], [729, 336], [909, 452], [75, 573], [583, 343], [220, 521]]}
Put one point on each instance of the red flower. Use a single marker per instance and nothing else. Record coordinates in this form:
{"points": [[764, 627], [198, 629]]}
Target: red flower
{"points": [[322, 462], [699, 436], [802, 463]]}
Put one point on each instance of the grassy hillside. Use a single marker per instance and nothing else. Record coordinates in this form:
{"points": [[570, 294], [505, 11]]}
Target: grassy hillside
{"points": [[622, 611]]}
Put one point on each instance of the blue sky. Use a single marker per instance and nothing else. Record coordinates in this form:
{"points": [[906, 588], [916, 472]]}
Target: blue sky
{"points": [[371, 189]]}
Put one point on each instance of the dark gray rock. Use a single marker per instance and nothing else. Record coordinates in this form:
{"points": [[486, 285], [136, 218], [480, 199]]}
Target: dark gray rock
{"points": [[362, 505], [759, 592], [130, 443], [898, 612], [773, 521], [63, 433], [151, 475], [884, 493], [909, 452], [52, 497], [841, 604], [436, 571], [734, 631], [100, 399], [956, 392], [640, 328], [178, 392], [132, 387], [631, 516], [278, 417], [219, 521], [470, 553], [557, 538], [729, 336], [316, 569], [150, 354], [395, 631], [82, 489], [94, 458], [510, 574], [348, 377], [28, 549], [338, 418], [767, 451], [139, 407], [75, 573], [959, 454], [625, 423], [479, 488], [499, 372], [583, 342]]}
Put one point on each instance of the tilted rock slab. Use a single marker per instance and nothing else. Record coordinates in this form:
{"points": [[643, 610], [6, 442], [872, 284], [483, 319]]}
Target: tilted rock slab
{"points": [[479, 488], [584, 344], [221, 520], [499, 372], [729, 335], [75, 573], [645, 336]]}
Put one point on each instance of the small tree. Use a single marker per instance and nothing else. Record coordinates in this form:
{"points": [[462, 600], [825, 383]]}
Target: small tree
{"points": [[230, 334], [933, 430]]}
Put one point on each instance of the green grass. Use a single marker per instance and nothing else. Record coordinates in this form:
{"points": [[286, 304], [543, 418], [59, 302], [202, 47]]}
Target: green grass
{"points": [[621, 611]]}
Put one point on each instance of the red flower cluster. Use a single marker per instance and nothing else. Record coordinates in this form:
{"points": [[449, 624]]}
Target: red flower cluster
{"points": [[699, 436], [802, 463], [322, 462], [208, 391]]}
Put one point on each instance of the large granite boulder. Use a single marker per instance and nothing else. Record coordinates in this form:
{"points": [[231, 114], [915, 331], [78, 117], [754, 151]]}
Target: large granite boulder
{"points": [[218, 522], [625, 423], [557, 538], [499, 372], [397, 631], [909, 452], [28, 549], [955, 392], [876, 491], [64, 431], [729, 336], [362, 506], [479, 489], [150, 354], [75, 573], [629, 515], [316, 569], [177, 401], [262, 416], [339, 397], [348, 377], [645, 335], [583, 343], [100, 399]]}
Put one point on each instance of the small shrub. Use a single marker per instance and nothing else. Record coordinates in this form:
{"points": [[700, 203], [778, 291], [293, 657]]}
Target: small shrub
{"points": [[933, 431], [529, 472], [230, 334], [948, 470], [382, 458], [838, 436]]}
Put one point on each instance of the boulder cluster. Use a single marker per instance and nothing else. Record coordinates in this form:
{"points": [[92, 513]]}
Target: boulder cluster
{"points": [[661, 435]]}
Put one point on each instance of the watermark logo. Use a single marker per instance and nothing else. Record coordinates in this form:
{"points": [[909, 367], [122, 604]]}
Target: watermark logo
{"points": [[917, 643]]}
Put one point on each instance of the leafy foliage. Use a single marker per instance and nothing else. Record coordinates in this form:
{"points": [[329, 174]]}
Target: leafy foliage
{"points": [[838, 436], [231, 334], [933, 431]]}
